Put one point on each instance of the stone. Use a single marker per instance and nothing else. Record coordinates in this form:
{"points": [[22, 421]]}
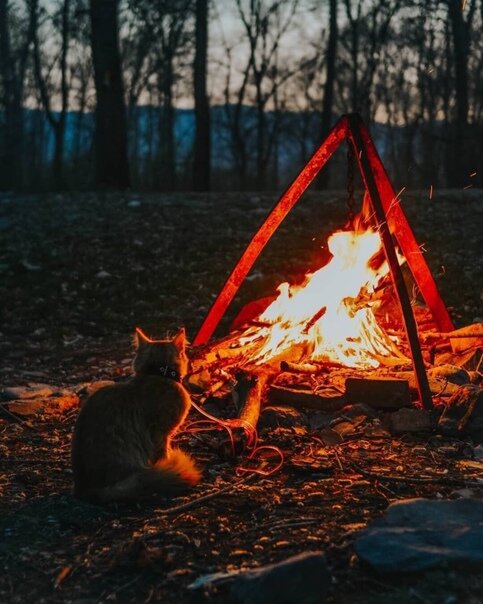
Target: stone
{"points": [[282, 417], [463, 414], [420, 534], [13, 393], [409, 420], [300, 579], [26, 407]]}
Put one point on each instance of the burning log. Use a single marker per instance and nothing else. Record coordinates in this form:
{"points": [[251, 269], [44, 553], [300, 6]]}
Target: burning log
{"points": [[249, 391], [281, 395], [299, 367], [437, 386]]}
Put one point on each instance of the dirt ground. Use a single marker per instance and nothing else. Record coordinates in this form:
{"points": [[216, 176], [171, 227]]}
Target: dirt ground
{"points": [[77, 273]]}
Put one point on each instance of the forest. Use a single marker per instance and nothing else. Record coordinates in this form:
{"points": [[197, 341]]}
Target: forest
{"points": [[170, 95]]}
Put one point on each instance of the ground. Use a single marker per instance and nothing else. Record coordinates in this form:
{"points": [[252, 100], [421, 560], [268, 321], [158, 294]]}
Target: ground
{"points": [[77, 273]]}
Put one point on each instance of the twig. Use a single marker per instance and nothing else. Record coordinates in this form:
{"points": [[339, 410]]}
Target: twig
{"points": [[339, 461], [193, 502], [15, 418], [416, 480], [121, 587]]}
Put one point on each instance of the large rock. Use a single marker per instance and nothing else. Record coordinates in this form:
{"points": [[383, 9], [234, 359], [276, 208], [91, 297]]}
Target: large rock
{"points": [[301, 579], [418, 534]]}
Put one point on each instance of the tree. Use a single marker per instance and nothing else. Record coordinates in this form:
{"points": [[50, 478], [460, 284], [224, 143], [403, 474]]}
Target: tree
{"points": [[13, 64], [202, 145], [368, 31], [110, 140], [460, 28], [56, 121], [166, 23], [265, 25], [327, 106]]}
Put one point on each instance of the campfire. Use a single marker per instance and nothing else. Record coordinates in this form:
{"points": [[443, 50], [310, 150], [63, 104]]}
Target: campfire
{"points": [[330, 316], [348, 333]]}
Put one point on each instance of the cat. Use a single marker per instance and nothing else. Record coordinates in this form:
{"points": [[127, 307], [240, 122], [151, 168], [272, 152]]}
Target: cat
{"points": [[121, 446]]}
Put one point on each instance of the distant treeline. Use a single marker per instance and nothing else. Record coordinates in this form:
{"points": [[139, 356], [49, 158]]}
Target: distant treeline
{"points": [[92, 92], [144, 152]]}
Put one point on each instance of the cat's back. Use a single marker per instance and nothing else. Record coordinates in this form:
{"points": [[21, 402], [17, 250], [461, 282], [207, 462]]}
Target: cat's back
{"points": [[141, 400]]}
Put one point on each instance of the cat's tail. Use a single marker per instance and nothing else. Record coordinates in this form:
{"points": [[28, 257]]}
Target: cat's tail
{"points": [[171, 476]]}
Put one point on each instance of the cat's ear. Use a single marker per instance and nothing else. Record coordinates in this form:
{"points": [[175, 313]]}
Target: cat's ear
{"points": [[179, 339], [140, 338]]}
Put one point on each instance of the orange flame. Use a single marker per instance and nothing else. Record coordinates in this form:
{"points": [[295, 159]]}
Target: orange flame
{"points": [[330, 316]]}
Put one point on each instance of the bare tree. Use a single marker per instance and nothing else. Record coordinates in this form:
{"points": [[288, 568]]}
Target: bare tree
{"points": [[368, 30], [168, 22], [62, 18], [265, 24]]}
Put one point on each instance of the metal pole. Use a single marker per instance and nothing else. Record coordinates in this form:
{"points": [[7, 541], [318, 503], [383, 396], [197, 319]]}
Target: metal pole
{"points": [[361, 151]]}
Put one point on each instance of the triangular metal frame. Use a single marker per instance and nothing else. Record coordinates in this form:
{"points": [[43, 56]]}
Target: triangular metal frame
{"points": [[389, 219]]}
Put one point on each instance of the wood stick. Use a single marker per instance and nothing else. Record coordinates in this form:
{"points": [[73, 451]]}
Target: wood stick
{"points": [[194, 502], [278, 395], [444, 480], [250, 387], [298, 367], [249, 390]]}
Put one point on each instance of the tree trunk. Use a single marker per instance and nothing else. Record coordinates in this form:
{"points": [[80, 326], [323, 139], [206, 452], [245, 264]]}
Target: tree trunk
{"points": [[110, 139], [202, 146], [261, 135], [64, 94], [10, 151], [326, 118], [167, 123], [461, 44]]}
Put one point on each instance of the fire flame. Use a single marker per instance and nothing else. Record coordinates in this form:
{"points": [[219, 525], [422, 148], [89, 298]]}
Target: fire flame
{"points": [[330, 316]]}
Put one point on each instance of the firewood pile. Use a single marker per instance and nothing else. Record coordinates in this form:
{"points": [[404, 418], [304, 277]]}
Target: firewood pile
{"points": [[224, 378]]}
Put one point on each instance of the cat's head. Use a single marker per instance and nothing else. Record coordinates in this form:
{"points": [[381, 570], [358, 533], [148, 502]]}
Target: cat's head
{"points": [[153, 354]]}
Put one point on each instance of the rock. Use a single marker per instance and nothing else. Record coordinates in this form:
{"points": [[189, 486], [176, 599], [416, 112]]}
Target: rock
{"points": [[26, 407], [358, 410], [133, 203], [464, 413], [102, 274], [60, 401], [301, 579], [409, 420], [419, 534], [478, 452], [31, 391], [282, 417]]}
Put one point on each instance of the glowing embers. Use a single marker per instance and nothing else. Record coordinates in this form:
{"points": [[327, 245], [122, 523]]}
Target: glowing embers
{"points": [[330, 316]]}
